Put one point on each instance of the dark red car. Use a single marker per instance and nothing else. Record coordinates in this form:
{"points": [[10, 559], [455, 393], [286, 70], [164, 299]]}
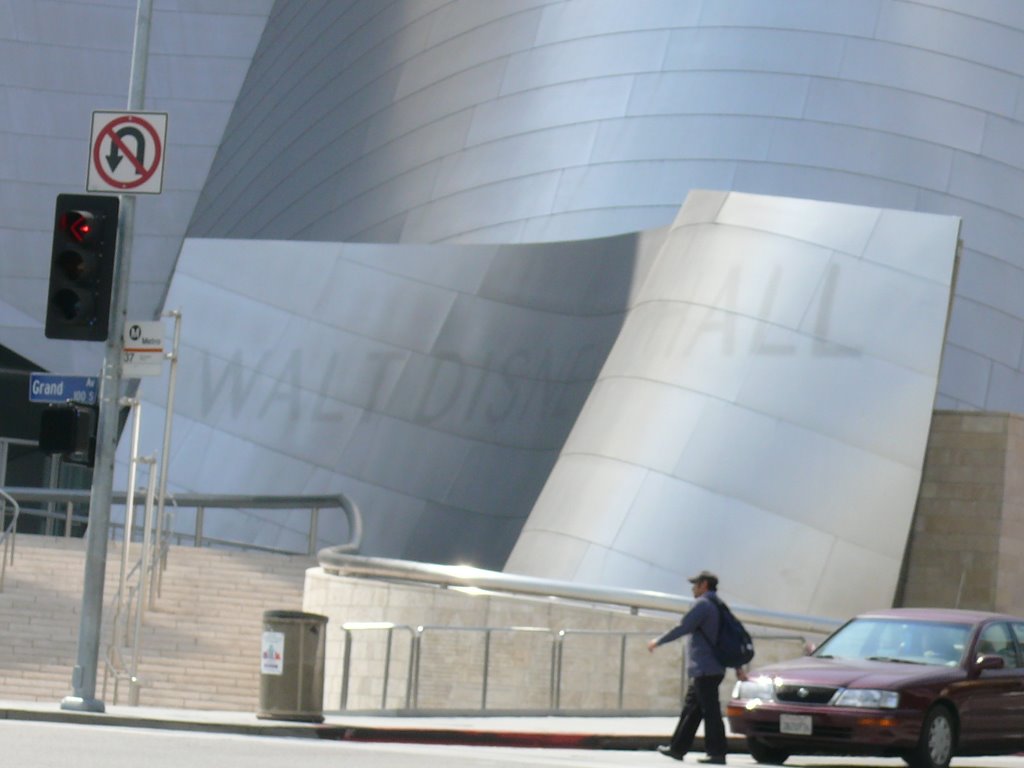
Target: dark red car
{"points": [[921, 684]]}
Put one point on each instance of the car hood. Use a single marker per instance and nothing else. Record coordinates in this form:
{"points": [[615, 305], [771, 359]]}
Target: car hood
{"points": [[852, 673]]}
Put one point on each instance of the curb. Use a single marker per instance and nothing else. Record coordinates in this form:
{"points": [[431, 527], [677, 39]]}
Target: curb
{"points": [[475, 735], [168, 724], [490, 738]]}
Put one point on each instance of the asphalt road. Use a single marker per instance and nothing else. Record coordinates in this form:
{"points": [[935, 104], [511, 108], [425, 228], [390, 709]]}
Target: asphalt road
{"points": [[25, 744]]}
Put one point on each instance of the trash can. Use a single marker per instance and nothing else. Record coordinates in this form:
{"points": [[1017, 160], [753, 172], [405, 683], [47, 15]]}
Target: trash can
{"points": [[292, 666]]}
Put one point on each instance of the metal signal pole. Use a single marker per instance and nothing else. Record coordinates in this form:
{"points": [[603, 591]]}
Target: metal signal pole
{"points": [[83, 678]]}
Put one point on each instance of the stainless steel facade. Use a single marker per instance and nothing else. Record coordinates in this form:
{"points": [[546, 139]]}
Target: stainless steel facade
{"points": [[519, 121]]}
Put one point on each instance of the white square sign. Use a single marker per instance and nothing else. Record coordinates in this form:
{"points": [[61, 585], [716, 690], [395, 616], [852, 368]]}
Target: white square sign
{"points": [[126, 152], [143, 353]]}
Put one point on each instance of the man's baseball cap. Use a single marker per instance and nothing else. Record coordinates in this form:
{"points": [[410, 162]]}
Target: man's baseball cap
{"points": [[704, 576]]}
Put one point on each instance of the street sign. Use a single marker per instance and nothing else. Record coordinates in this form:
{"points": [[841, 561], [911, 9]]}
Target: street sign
{"points": [[126, 152], [58, 388], [143, 349]]}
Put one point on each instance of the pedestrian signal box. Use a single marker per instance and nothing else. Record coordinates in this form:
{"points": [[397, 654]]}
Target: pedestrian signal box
{"points": [[70, 430]]}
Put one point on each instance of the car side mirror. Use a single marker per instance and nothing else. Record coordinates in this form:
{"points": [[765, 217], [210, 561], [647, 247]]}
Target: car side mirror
{"points": [[989, 661], [810, 648]]}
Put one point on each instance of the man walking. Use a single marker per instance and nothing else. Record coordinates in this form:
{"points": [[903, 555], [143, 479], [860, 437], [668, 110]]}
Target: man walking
{"points": [[705, 672]]}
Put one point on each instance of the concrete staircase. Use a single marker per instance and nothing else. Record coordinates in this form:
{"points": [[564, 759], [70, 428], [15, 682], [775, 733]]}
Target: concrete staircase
{"points": [[200, 644]]}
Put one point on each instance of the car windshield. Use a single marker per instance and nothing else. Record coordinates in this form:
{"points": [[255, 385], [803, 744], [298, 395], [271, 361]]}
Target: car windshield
{"points": [[898, 640]]}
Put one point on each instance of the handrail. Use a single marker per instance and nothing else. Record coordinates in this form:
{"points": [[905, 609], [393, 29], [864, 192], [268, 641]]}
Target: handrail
{"points": [[412, 688], [332, 560], [8, 534], [623, 635], [487, 633], [202, 501], [557, 654], [348, 628]]}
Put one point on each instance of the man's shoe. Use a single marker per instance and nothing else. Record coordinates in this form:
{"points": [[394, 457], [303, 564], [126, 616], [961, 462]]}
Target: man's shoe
{"points": [[713, 759], [667, 751]]}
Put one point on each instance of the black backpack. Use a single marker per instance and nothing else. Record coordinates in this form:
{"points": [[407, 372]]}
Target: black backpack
{"points": [[734, 646]]}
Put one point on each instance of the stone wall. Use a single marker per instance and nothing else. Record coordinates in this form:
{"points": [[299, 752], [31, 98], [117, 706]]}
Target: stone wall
{"points": [[966, 547], [1010, 573], [524, 639]]}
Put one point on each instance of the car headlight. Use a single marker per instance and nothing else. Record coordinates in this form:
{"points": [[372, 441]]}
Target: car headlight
{"points": [[868, 697], [762, 688]]}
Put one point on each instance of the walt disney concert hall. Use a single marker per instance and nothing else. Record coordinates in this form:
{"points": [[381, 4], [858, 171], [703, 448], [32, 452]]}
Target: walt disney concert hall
{"points": [[590, 290]]}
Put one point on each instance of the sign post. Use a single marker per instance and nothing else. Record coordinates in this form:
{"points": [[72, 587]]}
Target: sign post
{"points": [[83, 677]]}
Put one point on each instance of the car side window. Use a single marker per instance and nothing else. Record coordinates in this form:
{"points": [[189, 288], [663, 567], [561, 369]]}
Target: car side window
{"points": [[997, 640], [1018, 630]]}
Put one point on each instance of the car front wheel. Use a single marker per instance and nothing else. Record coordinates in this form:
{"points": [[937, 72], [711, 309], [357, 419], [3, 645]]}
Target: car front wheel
{"points": [[938, 737], [765, 754]]}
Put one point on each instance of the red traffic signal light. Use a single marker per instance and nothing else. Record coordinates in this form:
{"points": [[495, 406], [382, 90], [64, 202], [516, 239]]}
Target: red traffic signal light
{"points": [[78, 225], [82, 267]]}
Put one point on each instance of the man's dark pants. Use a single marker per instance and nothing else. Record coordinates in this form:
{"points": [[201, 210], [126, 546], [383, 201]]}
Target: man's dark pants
{"points": [[701, 702]]}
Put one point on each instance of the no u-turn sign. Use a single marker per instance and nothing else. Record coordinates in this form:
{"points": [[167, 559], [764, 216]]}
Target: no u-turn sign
{"points": [[126, 152]]}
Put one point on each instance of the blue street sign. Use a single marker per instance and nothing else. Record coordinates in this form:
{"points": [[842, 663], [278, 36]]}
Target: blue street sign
{"points": [[57, 388]]}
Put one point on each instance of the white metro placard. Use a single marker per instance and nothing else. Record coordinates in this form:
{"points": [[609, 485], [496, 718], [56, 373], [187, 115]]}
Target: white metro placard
{"points": [[143, 353], [272, 656]]}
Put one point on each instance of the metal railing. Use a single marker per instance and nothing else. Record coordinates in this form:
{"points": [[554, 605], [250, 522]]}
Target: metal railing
{"points": [[557, 654], [8, 533], [622, 637], [364, 626], [337, 561], [52, 466], [74, 498], [485, 673], [130, 604], [126, 626], [415, 655]]}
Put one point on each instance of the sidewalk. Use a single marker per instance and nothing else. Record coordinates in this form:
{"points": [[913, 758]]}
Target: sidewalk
{"points": [[510, 731]]}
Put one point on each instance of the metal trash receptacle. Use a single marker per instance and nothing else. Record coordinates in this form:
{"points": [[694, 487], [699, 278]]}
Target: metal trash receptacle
{"points": [[292, 666]]}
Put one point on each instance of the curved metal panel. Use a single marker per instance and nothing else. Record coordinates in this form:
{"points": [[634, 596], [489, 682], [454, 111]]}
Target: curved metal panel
{"points": [[763, 412], [433, 384]]}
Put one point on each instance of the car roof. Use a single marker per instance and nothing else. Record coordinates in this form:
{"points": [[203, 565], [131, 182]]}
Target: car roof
{"points": [[956, 615]]}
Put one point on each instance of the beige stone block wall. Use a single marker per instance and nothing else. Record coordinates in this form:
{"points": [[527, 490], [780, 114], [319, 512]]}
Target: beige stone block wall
{"points": [[1010, 570], [966, 547], [598, 646]]}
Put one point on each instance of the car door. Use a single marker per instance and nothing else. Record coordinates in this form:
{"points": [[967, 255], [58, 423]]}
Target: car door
{"points": [[991, 713], [1018, 669]]}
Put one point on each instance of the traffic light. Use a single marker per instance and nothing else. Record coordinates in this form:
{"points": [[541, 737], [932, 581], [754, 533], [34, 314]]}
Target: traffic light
{"points": [[82, 267]]}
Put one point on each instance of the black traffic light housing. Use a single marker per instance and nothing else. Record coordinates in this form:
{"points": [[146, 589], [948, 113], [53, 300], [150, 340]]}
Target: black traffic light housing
{"points": [[70, 430], [82, 267]]}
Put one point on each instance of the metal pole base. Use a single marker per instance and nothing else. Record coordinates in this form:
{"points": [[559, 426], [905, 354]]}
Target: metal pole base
{"points": [[78, 704]]}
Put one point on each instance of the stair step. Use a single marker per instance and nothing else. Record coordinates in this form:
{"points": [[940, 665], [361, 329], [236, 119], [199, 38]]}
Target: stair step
{"points": [[199, 642]]}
